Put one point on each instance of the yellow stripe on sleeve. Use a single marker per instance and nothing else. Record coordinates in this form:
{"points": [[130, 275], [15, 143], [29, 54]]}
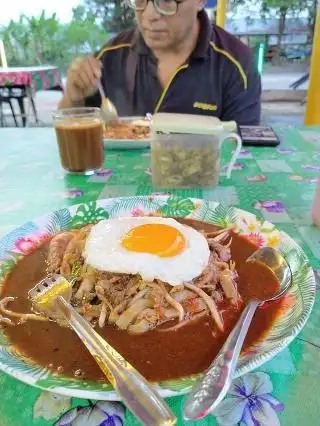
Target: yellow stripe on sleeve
{"points": [[234, 61]]}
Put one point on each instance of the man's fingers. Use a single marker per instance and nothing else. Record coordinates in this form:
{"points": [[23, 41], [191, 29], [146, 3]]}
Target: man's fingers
{"points": [[83, 76], [85, 80], [74, 67], [96, 66], [75, 94], [92, 74]]}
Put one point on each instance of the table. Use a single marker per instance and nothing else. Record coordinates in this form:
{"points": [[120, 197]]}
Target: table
{"points": [[43, 77], [29, 80], [276, 183]]}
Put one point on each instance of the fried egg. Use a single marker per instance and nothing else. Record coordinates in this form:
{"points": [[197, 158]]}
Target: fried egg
{"points": [[153, 247]]}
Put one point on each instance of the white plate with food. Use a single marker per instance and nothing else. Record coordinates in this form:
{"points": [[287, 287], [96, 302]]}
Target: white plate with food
{"points": [[163, 279], [128, 133]]}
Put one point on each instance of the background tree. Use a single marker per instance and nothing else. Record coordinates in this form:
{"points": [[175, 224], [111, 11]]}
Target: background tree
{"points": [[16, 40], [312, 6], [45, 40], [281, 9], [114, 15], [83, 34], [31, 40]]}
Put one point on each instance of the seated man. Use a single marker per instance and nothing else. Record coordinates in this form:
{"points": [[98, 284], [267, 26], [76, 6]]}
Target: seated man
{"points": [[175, 61]]}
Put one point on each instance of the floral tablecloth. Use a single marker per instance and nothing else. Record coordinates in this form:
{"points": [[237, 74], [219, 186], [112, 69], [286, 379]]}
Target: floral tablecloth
{"points": [[276, 183], [39, 78]]}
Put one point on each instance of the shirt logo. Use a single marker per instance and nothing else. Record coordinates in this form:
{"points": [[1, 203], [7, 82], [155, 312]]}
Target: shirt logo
{"points": [[205, 107]]}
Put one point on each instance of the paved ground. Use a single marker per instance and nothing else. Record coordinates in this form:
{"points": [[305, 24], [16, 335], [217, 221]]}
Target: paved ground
{"points": [[280, 77], [281, 81]]}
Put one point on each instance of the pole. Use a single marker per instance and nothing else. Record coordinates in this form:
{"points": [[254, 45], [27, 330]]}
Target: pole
{"points": [[312, 116], [3, 55], [222, 12]]}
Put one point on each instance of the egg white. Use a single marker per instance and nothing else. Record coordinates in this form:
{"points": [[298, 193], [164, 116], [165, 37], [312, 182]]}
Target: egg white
{"points": [[103, 251]]}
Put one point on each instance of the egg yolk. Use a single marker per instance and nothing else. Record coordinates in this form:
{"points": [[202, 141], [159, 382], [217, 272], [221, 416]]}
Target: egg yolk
{"points": [[159, 239]]}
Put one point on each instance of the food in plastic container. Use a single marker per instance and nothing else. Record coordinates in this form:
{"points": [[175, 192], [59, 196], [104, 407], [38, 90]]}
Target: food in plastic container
{"points": [[186, 149]]}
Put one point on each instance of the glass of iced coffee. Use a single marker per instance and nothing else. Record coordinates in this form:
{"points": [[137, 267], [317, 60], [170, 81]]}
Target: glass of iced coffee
{"points": [[79, 134]]}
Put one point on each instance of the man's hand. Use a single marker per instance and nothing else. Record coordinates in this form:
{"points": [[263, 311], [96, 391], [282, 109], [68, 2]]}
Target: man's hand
{"points": [[82, 80]]}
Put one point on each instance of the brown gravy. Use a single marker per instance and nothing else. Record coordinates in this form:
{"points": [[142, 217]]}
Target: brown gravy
{"points": [[157, 355]]}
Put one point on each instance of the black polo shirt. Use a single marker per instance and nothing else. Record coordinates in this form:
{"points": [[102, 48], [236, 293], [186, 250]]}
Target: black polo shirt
{"points": [[219, 79]]}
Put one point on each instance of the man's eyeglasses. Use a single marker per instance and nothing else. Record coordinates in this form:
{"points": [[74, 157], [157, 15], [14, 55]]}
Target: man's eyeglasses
{"points": [[163, 7]]}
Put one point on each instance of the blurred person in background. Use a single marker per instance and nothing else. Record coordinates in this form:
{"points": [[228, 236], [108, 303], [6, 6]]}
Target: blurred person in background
{"points": [[175, 61]]}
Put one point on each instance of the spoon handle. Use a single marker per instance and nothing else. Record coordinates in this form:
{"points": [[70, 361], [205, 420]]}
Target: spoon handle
{"points": [[136, 392], [101, 90], [209, 391]]}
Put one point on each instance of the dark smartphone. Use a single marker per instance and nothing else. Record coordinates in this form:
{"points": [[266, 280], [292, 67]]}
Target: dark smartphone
{"points": [[258, 136]]}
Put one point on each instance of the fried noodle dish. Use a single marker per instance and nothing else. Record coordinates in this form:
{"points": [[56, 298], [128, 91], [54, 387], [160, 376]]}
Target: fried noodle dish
{"points": [[137, 130], [143, 273]]}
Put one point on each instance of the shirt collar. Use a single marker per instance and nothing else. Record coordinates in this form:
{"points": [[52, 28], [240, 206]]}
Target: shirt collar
{"points": [[139, 45], [201, 49]]}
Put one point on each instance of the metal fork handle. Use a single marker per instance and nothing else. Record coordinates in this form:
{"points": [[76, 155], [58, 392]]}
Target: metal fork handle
{"points": [[136, 392], [210, 390]]}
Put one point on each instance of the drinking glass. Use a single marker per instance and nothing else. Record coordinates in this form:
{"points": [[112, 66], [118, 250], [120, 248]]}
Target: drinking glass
{"points": [[79, 133]]}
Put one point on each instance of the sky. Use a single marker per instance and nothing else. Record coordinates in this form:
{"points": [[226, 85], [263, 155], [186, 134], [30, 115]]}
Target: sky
{"points": [[34, 7]]}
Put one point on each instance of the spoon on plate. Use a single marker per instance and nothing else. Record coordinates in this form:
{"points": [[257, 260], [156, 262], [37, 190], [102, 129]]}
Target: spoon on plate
{"points": [[52, 296], [210, 390]]}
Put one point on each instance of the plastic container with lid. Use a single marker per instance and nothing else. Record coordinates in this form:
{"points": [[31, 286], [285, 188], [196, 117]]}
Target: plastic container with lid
{"points": [[185, 149]]}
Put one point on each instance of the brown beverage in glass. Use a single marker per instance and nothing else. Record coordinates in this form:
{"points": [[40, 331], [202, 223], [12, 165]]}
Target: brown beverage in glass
{"points": [[79, 134]]}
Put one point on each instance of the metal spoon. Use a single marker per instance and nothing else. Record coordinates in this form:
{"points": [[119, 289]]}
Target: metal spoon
{"points": [[52, 296], [108, 110], [210, 390]]}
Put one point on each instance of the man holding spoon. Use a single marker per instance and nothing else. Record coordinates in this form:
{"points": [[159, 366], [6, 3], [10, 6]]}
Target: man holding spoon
{"points": [[175, 61]]}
